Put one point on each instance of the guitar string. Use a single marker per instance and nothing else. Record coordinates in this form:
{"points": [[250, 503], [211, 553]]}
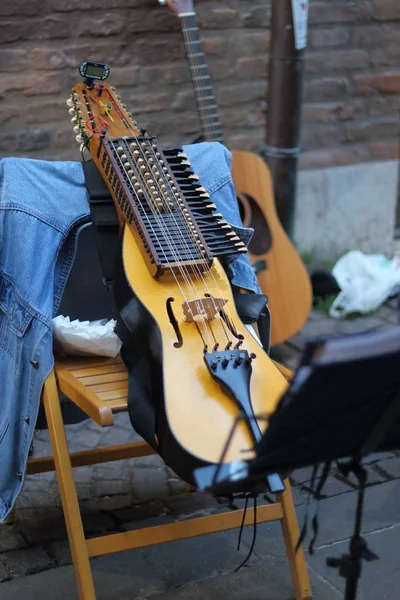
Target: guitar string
{"points": [[193, 37], [173, 247], [162, 228], [209, 270], [212, 128], [177, 199], [200, 277]]}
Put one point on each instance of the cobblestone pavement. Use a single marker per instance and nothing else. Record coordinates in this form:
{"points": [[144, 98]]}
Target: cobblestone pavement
{"points": [[34, 552]]}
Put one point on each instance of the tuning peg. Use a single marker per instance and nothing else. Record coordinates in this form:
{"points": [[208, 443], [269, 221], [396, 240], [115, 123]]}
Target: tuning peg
{"points": [[71, 111], [74, 120], [69, 102], [120, 150], [79, 139], [76, 129]]}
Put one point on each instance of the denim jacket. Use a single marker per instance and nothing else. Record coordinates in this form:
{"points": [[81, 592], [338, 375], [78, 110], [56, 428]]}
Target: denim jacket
{"points": [[43, 207]]}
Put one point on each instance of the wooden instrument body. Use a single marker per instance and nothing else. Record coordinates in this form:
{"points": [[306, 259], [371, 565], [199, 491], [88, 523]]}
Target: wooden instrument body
{"points": [[194, 415], [196, 412], [285, 281]]}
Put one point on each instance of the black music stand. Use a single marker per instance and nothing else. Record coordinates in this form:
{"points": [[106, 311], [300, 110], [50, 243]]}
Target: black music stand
{"points": [[342, 404]]}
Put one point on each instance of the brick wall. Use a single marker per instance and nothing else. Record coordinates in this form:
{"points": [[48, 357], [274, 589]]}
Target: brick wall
{"points": [[351, 80]]}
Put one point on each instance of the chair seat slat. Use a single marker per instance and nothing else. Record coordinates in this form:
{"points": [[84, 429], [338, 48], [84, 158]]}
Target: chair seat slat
{"points": [[114, 394], [104, 387]]}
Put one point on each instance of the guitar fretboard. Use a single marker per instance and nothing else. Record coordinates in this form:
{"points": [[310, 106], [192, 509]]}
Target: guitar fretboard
{"points": [[205, 99]]}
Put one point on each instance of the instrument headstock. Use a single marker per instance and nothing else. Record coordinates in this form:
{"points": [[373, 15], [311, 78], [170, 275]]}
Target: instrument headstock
{"points": [[97, 111], [180, 7]]}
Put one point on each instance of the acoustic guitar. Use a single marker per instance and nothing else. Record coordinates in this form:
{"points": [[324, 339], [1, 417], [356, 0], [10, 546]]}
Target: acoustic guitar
{"points": [[207, 370], [281, 273]]}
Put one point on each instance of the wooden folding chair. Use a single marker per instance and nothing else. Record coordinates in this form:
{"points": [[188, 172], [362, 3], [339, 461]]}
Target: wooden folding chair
{"points": [[99, 387]]}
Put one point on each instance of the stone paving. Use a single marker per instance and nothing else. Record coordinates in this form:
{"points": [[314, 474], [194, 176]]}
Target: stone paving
{"points": [[35, 561]]}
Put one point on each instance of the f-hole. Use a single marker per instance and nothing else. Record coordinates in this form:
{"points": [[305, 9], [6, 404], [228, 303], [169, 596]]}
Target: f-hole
{"points": [[174, 323]]}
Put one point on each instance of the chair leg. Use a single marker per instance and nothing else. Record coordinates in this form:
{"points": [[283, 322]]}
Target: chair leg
{"points": [[291, 533], [67, 487]]}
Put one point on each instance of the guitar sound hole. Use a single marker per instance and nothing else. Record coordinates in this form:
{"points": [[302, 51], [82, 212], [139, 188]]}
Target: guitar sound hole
{"points": [[252, 216]]}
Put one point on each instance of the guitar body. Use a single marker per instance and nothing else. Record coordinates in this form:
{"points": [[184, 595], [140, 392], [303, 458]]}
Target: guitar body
{"points": [[285, 279], [193, 414]]}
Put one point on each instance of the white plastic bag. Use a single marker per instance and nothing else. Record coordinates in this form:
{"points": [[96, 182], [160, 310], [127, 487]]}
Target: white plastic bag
{"points": [[86, 337], [365, 282]]}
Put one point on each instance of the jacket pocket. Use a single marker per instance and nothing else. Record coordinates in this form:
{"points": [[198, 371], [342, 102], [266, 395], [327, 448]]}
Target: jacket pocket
{"points": [[15, 317], [6, 380]]}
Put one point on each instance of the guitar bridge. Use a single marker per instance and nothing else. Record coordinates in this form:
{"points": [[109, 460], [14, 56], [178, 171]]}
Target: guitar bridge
{"points": [[203, 307]]}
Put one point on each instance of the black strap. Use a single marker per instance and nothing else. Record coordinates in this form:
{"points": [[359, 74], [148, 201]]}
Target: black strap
{"points": [[253, 308], [105, 221]]}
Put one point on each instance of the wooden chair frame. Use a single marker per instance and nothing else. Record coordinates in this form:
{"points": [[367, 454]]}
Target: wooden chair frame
{"points": [[100, 409]]}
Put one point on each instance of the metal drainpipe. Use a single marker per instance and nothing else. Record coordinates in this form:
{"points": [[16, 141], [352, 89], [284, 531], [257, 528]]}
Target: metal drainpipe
{"points": [[284, 104]]}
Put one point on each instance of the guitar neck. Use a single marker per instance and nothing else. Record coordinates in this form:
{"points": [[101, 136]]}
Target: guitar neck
{"points": [[205, 99]]}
